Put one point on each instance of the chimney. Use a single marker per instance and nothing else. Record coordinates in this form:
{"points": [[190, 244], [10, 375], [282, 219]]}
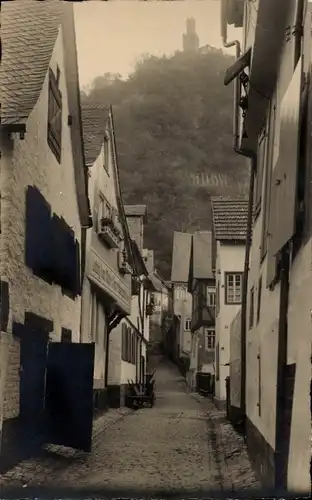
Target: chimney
{"points": [[136, 218]]}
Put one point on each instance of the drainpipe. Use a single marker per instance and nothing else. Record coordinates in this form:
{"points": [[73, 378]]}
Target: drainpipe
{"points": [[253, 157], [237, 92]]}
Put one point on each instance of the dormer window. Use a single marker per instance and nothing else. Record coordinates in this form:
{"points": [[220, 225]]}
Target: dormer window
{"points": [[55, 115], [106, 152]]}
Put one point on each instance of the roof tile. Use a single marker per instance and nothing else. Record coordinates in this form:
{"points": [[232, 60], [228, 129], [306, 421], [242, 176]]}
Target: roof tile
{"points": [[230, 216], [28, 33], [94, 123]]}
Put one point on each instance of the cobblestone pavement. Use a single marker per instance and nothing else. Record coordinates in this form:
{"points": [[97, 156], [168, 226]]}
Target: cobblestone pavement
{"points": [[168, 448]]}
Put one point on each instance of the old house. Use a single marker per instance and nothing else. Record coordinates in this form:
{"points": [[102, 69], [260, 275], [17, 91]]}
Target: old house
{"points": [[276, 366], [44, 216], [201, 285], [229, 231], [182, 299], [155, 324], [107, 284], [128, 343]]}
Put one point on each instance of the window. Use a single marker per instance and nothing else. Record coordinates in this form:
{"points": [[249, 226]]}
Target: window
{"points": [[210, 338], [106, 153], [218, 298], [195, 300], [251, 307], [105, 210], [129, 344], [259, 299], [187, 324], [54, 116], [233, 288], [261, 158], [180, 293], [217, 362], [211, 296]]}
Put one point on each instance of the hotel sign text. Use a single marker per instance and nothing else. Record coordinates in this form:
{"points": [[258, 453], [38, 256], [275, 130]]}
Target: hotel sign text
{"points": [[111, 283]]}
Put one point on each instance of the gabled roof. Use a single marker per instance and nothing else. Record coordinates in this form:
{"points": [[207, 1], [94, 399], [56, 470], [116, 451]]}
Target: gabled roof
{"points": [[94, 123], [120, 204], [74, 106], [181, 257], [201, 261], [29, 30], [28, 33], [229, 215]]}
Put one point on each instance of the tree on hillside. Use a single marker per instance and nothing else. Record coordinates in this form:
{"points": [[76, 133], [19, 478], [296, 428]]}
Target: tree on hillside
{"points": [[173, 116]]}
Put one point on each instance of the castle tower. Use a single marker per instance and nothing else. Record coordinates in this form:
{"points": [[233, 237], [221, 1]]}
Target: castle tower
{"points": [[190, 38]]}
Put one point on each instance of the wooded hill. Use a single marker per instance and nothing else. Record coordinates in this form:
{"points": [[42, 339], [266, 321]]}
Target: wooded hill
{"points": [[173, 122]]}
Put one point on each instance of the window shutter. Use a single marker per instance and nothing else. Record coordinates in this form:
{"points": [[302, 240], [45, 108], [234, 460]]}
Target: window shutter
{"points": [[217, 362], [123, 342], [285, 178], [129, 345]]}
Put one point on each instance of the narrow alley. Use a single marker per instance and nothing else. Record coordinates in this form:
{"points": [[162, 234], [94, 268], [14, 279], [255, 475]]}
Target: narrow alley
{"points": [[169, 448]]}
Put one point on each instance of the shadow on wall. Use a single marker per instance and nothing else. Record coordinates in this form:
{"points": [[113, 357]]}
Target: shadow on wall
{"points": [[51, 250], [4, 305]]}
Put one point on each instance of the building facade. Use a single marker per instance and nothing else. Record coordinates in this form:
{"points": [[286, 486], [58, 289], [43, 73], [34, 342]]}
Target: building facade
{"points": [[229, 230], [107, 283], [277, 131], [201, 285], [182, 299], [44, 191], [129, 340]]}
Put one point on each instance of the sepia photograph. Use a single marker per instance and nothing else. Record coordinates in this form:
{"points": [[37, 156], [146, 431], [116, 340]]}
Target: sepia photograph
{"points": [[155, 249]]}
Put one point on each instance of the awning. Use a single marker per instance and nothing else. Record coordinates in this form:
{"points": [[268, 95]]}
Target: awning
{"points": [[239, 65]]}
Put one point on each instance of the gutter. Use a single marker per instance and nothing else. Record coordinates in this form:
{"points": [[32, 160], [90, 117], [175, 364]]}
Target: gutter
{"points": [[253, 157]]}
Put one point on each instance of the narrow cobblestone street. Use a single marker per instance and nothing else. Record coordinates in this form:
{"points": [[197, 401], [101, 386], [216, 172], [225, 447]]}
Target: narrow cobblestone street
{"points": [[168, 448]]}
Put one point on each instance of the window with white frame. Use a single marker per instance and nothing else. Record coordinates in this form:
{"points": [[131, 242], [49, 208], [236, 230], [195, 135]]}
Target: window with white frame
{"points": [[187, 324], [210, 338], [233, 288], [211, 296], [180, 293], [105, 210]]}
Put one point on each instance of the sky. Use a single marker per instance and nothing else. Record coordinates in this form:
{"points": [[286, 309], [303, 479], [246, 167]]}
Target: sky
{"points": [[111, 36]]}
